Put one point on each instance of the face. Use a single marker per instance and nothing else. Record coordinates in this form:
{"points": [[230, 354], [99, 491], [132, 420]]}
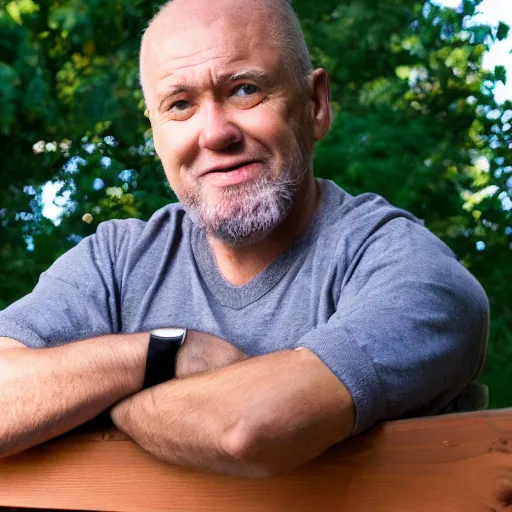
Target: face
{"points": [[233, 132]]}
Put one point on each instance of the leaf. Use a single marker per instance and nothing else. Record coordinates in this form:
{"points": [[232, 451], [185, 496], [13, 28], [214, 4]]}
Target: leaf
{"points": [[500, 72], [63, 19], [502, 31], [403, 72], [469, 7]]}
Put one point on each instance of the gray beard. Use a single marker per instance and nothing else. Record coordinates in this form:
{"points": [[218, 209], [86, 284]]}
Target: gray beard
{"points": [[248, 212]]}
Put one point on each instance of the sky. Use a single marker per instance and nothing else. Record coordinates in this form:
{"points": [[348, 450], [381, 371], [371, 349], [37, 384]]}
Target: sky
{"points": [[52, 205], [489, 12]]}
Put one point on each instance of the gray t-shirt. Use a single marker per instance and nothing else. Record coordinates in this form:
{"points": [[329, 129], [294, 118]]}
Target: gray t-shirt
{"points": [[383, 302]]}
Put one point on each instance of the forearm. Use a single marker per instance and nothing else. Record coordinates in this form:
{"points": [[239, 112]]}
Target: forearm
{"points": [[261, 416], [181, 422], [46, 392]]}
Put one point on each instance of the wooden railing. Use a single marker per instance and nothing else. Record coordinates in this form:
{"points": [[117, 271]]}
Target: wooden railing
{"points": [[459, 462]]}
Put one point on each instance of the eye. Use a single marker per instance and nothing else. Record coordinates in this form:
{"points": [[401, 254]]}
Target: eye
{"points": [[246, 90], [246, 96], [180, 110], [179, 106]]}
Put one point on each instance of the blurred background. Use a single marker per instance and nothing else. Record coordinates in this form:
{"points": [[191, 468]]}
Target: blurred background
{"points": [[423, 116]]}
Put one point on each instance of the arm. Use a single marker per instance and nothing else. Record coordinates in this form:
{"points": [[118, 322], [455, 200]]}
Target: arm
{"points": [[204, 353], [46, 392], [47, 384], [262, 416]]}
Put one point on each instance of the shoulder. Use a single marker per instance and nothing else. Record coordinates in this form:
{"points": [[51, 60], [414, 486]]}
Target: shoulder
{"points": [[367, 212], [378, 244], [117, 242], [121, 235], [358, 223]]}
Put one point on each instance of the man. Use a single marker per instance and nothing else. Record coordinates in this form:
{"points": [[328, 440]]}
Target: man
{"points": [[311, 314]]}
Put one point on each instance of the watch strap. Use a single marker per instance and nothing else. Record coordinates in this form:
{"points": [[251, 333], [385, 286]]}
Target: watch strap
{"points": [[161, 359]]}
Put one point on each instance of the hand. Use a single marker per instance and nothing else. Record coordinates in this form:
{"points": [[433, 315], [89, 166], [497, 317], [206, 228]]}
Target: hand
{"points": [[204, 353]]}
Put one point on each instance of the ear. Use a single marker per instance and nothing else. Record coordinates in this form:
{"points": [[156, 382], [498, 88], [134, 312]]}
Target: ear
{"points": [[322, 117]]}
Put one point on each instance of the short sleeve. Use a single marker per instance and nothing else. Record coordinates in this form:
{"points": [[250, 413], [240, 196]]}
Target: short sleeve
{"points": [[410, 328], [76, 298]]}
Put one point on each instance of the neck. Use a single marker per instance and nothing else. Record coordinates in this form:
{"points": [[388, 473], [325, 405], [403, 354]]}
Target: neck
{"points": [[239, 265]]}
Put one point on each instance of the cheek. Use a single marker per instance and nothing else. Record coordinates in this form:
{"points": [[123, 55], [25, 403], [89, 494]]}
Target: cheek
{"points": [[268, 127], [175, 146]]}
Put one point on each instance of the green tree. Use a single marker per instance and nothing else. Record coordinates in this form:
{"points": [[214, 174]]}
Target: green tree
{"points": [[416, 121]]}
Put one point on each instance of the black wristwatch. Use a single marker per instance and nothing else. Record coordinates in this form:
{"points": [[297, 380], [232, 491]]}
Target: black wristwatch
{"points": [[162, 353]]}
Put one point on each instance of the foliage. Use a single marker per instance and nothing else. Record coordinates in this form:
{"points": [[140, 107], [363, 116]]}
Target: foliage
{"points": [[416, 121]]}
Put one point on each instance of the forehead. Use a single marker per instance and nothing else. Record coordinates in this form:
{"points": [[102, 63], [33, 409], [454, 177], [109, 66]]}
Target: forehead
{"points": [[187, 45]]}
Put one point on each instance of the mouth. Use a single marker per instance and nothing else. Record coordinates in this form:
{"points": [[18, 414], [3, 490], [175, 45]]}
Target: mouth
{"points": [[230, 168], [233, 174]]}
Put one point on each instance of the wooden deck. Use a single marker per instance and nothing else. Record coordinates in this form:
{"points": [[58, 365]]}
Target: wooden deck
{"points": [[460, 462]]}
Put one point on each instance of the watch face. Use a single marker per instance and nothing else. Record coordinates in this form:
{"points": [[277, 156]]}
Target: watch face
{"points": [[170, 332]]}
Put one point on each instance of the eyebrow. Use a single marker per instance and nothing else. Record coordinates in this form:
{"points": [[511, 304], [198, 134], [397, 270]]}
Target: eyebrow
{"points": [[173, 90], [246, 74], [224, 79]]}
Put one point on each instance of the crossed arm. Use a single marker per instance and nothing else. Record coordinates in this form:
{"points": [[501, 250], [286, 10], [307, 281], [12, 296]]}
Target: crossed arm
{"points": [[226, 413]]}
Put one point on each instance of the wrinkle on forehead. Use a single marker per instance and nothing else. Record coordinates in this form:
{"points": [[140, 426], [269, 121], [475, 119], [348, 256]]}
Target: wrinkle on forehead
{"points": [[229, 26], [193, 54], [178, 67]]}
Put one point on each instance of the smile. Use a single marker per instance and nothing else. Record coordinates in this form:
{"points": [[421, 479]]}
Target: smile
{"points": [[233, 174]]}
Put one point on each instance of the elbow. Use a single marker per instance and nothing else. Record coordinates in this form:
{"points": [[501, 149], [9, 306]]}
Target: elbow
{"points": [[475, 333], [242, 447], [475, 315]]}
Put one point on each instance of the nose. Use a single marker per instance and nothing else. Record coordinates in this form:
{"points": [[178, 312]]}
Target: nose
{"points": [[218, 131]]}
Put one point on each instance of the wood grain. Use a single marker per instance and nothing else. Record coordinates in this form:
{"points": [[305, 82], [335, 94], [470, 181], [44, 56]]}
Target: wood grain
{"points": [[459, 462]]}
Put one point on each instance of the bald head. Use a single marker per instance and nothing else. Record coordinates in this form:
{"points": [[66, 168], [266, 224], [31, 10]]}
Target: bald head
{"points": [[282, 28]]}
